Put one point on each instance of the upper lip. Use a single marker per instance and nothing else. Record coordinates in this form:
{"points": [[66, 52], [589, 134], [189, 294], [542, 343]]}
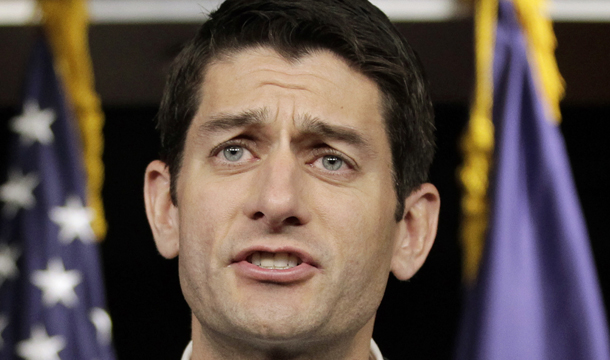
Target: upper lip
{"points": [[304, 256]]}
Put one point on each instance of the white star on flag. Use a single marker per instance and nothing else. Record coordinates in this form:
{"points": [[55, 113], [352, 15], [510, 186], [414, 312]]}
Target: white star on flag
{"points": [[101, 320], [57, 284], [40, 346], [3, 325], [34, 124], [74, 220], [8, 262], [17, 192]]}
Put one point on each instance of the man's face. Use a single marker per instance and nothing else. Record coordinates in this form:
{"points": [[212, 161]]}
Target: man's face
{"points": [[285, 164]]}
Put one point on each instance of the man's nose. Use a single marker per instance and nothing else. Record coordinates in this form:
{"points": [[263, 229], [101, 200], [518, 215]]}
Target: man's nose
{"points": [[277, 193]]}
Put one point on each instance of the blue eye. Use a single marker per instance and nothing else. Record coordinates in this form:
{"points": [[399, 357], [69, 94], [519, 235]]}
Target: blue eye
{"points": [[332, 163], [233, 152]]}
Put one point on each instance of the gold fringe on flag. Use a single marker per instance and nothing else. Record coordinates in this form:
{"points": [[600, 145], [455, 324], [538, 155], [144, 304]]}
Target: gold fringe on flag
{"points": [[477, 143], [66, 23], [541, 40]]}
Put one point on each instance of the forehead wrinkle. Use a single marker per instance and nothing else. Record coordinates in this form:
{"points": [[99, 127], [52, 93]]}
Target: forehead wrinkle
{"points": [[284, 85]]}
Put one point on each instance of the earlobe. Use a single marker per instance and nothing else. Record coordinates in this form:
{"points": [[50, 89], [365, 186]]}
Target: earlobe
{"points": [[416, 231], [161, 212]]}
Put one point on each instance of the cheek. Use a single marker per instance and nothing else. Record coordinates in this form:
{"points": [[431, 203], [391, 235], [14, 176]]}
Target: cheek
{"points": [[362, 226], [207, 212], [209, 202], [362, 256]]}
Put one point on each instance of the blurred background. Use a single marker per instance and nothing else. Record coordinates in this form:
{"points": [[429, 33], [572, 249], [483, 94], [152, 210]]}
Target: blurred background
{"points": [[132, 44]]}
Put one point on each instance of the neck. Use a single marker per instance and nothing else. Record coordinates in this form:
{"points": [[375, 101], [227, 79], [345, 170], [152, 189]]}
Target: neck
{"points": [[208, 345]]}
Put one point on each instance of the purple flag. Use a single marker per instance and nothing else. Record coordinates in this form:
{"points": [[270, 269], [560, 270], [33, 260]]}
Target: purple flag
{"points": [[537, 295], [51, 290]]}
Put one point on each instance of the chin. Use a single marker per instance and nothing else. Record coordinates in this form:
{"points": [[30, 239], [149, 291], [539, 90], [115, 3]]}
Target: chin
{"points": [[275, 327], [279, 326]]}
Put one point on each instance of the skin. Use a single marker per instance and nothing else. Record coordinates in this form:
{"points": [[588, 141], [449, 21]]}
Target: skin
{"points": [[287, 155]]}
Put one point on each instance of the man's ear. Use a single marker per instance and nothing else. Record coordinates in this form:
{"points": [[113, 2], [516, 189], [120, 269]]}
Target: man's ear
{"points": [[161, 212], [416, 231]]}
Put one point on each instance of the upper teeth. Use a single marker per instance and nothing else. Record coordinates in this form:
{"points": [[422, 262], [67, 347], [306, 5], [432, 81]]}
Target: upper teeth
{"points": [[267, 260]]}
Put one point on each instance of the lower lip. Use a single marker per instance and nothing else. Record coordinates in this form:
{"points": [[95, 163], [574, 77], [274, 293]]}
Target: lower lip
{"points": [[298, 273]]}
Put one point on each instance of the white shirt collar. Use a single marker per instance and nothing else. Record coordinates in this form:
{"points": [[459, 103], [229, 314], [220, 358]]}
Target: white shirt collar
{"points": [[188, 351], [374, 351]]}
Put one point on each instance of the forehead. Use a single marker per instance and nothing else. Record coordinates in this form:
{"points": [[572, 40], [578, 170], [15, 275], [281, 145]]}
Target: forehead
{"points": [[319, 85]]}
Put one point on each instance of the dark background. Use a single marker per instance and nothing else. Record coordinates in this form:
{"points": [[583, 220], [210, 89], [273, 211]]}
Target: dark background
{"points": [[418, 319]]}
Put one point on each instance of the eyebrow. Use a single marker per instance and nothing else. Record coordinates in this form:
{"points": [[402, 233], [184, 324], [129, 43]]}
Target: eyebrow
{"points": [[225, 122], [310, 126], [314, 126]]}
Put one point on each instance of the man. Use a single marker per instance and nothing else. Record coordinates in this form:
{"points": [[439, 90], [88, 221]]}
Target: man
{"points": [[296, 141]]}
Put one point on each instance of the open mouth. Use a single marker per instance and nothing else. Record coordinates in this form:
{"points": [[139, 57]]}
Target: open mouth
{"points": [[278, 261]]}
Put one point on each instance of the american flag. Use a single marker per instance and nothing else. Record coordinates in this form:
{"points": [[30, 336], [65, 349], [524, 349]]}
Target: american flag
{"points": [[52, 302]]}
